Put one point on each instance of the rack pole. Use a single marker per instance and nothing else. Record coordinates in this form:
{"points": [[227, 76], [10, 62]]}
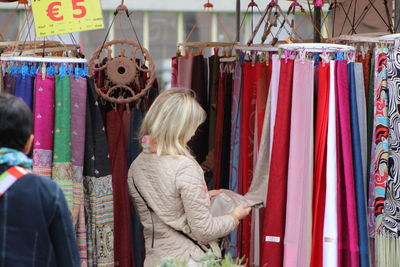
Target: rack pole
{"points": [[317, 23], [238, 20], [396, 16]]}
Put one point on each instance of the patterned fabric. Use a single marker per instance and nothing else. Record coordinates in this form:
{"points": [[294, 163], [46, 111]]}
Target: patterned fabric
{"points": [[98, 186], [372, 148], [78, 116], [391, 213], [12, 157], [43, 126], [381, 135], [62, 165]]}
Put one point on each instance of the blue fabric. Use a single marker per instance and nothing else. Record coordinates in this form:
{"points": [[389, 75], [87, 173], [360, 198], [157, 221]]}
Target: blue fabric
{"points": [[234, 166], [11, 157], [35, 225], [358, 172], [24, 89], [134, 151]]}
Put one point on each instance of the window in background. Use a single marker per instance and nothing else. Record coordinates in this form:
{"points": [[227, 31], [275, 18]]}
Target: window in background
{"points": [[123, 28], [162, 40], [10, 24], [90, 40]]}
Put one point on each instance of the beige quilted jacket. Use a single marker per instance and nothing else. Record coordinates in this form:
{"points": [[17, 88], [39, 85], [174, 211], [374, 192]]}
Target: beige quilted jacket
{"points": [[175, 189]]}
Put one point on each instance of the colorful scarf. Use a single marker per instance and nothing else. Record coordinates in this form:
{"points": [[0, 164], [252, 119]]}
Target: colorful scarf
{"points": [[78, 117], [43, 126], [381, 139], [11, 157], [97, 182], [149, 146], [388, 235], [62, 158]]}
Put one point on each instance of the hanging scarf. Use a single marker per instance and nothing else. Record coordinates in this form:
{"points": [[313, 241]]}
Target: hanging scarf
{"points": [[24, 89], [388, 235], [298, 236], [247, 128], [320, 163], [43, 126], [381, 139], [78, 117], [275, 215], [358, 169], [11, 157], [97, 180], [348, 226], [234, 145], [330, 238]]}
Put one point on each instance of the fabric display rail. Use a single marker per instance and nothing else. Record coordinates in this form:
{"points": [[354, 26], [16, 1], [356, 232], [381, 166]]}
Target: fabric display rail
{"points": [[85, 144], [313, 134]]}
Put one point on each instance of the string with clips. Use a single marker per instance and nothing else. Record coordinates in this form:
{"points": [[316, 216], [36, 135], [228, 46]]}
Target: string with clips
{"points": [[208, 8]]}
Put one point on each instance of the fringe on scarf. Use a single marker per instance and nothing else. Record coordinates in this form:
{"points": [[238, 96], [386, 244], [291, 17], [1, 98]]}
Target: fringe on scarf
{"points": [[387, 250]]}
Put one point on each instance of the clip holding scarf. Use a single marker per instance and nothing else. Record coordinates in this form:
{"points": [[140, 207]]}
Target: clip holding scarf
{"points": [[44, 71]]}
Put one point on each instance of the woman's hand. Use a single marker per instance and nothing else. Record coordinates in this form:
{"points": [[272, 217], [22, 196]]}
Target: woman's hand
{"points": [[240, 212], [214, 193]]}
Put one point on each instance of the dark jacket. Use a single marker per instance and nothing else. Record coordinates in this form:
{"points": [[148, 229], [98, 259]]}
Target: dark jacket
{"points": [[35, 225]]}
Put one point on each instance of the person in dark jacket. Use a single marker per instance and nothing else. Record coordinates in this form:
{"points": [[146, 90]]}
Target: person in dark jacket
{"points": [[35, 223]]}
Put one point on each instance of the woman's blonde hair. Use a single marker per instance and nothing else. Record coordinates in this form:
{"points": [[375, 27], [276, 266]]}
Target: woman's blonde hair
{"points": [[172, 121]]}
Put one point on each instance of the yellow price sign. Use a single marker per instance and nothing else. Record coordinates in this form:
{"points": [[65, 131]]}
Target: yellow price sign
{"points": [[65, 16]]}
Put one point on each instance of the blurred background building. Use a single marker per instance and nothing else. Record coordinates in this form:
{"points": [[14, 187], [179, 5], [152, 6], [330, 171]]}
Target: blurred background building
{"points": [[160, 24]]}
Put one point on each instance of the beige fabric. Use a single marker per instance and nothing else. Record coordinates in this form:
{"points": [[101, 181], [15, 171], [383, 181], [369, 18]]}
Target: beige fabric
{"points": [[175, 189]]}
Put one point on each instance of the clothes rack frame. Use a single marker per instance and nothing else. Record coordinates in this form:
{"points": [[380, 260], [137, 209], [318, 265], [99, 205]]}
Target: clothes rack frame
{"points": [[257, 48], [317, 47], [44, 59]]}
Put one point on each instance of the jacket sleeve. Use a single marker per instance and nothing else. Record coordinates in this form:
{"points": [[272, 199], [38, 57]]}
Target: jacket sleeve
{"points": [[62, 233], [196, 202]]}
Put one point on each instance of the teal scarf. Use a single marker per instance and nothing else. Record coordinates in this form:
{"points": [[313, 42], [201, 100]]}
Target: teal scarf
{"points": [[12, 157]]}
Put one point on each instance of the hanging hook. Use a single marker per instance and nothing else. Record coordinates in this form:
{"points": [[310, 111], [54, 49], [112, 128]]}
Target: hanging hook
{"points": [[208, 5], [252, 4]]}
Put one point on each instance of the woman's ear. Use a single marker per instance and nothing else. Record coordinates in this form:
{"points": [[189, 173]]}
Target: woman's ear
{"points": [[28, 145]]}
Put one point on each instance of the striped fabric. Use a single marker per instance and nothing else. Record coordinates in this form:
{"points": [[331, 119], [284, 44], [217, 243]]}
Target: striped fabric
{"points": [[9, 177]]}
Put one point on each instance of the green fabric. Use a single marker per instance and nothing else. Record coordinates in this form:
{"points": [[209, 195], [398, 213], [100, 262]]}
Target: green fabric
{"points": [[62, 123], [370, 116], [62, 159]]}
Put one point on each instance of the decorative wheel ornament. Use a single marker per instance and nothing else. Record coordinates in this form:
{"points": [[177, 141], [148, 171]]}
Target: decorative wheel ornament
{"points": [[122, 83]]}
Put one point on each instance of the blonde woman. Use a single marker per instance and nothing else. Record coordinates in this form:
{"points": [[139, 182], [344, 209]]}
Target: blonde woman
{"points": [[168, 187]]}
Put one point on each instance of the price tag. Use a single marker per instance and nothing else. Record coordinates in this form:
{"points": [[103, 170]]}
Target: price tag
{"points": [[54, 17]]}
